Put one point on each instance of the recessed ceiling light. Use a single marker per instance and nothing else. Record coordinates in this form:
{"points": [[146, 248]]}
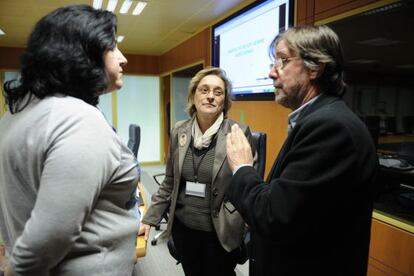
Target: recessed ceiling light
{"points": [[1, 32], [138, 9], [120, 38], [125, 6], [97, 4], [111, 5]]}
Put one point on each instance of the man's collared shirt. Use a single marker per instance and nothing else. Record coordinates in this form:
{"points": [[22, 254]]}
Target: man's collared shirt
{"points": [[293, 117]]}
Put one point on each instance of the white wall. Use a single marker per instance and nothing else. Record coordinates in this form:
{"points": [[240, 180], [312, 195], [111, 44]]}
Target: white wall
{"points": [[139, 103], [105, 105]]}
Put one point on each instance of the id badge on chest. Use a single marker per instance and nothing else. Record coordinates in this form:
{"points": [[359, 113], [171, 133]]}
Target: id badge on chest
{"points": [[195, 189]]}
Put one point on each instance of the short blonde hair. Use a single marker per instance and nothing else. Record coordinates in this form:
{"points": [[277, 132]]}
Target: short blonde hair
{"points": [[196, 80]]}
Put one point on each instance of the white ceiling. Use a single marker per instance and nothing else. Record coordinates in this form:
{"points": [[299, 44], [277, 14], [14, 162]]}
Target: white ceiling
{"points": [[162, 25]]}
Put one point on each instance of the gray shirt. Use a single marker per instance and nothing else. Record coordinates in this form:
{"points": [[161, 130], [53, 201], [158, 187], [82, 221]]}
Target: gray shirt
{"points": [[66, 180], [194, 211]]}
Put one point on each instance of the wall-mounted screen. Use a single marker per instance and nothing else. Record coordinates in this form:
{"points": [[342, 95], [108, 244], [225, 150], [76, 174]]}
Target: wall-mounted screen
{"points": [[241, 42]]}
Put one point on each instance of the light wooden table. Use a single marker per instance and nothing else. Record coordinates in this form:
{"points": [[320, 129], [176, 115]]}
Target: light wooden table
{"points": [[141, 247]]}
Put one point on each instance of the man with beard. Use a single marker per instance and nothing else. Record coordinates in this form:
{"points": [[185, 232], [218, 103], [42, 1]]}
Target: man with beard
{"points": [[313, 214]]}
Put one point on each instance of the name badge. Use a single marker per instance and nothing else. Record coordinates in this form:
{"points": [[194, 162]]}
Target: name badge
{"points": [[195, 189]]}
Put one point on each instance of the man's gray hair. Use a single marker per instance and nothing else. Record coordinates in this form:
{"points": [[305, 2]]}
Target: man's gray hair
{"points": [[321, 51]]}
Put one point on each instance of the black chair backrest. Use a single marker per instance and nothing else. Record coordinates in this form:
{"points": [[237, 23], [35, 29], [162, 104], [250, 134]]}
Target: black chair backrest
{"points": [[134, 138], [259, 142]]}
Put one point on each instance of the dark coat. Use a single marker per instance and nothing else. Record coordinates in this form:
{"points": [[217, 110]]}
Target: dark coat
{"points": [[313, 214]]}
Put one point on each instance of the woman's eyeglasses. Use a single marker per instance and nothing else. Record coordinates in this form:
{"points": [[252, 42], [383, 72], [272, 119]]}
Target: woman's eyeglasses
{"points": [[205, 90]]}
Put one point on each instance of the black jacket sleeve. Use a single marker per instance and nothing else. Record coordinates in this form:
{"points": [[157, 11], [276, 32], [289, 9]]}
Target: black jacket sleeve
{"points": [[315, 171]]}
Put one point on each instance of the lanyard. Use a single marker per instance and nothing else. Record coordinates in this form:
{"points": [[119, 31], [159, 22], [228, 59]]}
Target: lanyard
{"points": [[196, 168]]}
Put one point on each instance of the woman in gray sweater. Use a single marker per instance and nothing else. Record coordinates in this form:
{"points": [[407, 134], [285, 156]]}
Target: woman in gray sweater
{"points": [[66, 179]]}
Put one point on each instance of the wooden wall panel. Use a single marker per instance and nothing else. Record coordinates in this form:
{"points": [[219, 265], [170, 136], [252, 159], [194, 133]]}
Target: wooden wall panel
{"points": [[324, 5], [166, 96], [305, 12], [310, 11], [191, 51], [10, 58], [142, 65], [328, 8], [300, 12], [264, 116], [377, 268], [391, 250]]}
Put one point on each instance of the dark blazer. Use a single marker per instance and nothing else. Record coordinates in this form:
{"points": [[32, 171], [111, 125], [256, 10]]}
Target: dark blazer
{"points": [[313, 215], [227, 222]]}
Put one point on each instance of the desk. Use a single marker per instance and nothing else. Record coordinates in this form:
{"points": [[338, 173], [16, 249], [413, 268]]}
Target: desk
{"points": [[391, 247], [392, 139], [394, 221], [141, 247], [392, 231]]}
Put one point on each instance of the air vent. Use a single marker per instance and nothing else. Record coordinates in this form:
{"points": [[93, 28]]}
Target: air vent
{"points": [[379, 41], [383, 9]]}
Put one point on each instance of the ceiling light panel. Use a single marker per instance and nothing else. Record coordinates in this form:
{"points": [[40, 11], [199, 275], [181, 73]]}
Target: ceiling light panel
{"points": [[97, 4], [125, 6], [1, 32], [138, 9], [111, 5]]}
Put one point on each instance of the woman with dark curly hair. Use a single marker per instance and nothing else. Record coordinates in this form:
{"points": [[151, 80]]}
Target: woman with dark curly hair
{"points": [[66, 179]]}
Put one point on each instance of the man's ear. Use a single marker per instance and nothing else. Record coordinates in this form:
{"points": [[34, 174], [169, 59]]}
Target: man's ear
{"points": [[316, 74]]}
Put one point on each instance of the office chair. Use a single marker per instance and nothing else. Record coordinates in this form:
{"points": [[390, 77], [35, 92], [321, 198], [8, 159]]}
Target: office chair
{"points": [[259, 142], [158, 179], [134, 139]]}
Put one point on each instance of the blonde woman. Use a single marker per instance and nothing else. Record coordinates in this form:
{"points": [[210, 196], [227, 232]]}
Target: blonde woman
{"points": [[206, 229]]}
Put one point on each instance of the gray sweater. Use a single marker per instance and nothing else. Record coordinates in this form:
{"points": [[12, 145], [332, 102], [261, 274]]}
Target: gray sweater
{"points": [[66, 180]]}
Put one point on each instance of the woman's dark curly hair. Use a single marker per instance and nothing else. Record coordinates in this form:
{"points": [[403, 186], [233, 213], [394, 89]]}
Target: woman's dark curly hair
{"points": [[65, 55]]}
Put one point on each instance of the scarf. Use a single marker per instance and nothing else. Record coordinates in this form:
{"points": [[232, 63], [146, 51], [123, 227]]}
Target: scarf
{"points": [[203, 140]]}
